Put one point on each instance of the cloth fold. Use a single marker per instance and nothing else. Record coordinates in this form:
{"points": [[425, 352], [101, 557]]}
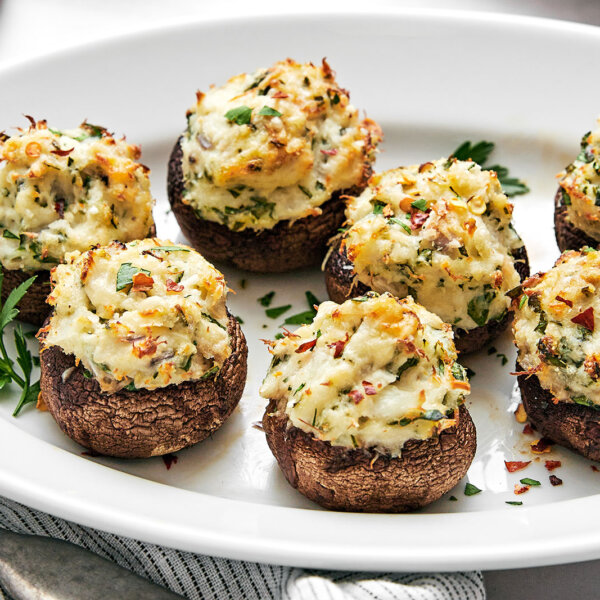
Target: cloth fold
{"points": [[196, 576]]}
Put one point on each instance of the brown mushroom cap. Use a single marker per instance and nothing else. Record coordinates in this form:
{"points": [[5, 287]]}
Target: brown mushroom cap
{"points": [[341, 478], [141, 423], [285, 247], [571, 425], [568, 237], [339, 278], [32, 307]]}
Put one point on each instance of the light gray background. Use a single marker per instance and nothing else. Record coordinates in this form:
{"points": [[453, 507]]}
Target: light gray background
{"points": [[31, 28]]}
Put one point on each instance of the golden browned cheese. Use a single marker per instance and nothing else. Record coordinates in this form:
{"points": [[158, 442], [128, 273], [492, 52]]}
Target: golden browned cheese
{"points": [[273, 145], [146, 314], [372, 372], [62, 191]]}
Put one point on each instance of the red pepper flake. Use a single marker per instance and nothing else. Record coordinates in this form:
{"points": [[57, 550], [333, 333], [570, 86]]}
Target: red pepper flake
{"points": [[369, 388], [280, 95], [569, 303], [60, 152], [306, 346], [170, 460], [356, 396], [528, 429], [339, 347], [147, 348], [542, 446], [516, 465], [552, 464], [31, 120], [521, 489], [331, 152], [554, 480], [173, 286], [59, 207], [142, 282], [418, 217], [594, 468], [585, 319]]}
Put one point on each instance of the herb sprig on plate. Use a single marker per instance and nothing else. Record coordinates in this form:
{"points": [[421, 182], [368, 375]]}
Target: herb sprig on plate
{"points": [[479, 153], [8, 369]]}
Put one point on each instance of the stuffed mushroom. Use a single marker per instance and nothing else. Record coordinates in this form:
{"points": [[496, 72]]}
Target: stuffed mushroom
{"points": [[441, 232], [576, 209], [558, 363], [258, 177], [366, 406], [62, 191], [140, 356]]}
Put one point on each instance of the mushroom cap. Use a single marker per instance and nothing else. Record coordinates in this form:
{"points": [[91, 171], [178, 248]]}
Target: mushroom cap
{"points": [[32, 307], [141, 423], [571, 425], [568, 237], [339, 279], [364, 480], [285, 247]]}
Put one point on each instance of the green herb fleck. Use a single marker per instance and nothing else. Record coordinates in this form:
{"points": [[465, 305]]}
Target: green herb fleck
{"points": [[303, 318], [125, 275], [240, 115], [514, 502], [10, 235], [212, 371], [266, 111], [529, 481], [266, 299], [311, 300], [471, 490], [378, 207], [420, 204], [213, 320], [522, 301], [411, 362], [170, 248], [273, 313], [305, 191], [453, 499]]}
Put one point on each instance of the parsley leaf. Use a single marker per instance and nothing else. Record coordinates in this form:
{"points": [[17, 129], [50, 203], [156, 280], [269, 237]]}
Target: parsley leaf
{"points": [[420, 204], [240, 115], [273, 313], [471, 490], [303, 318], [125, 275], [29, 391], [267, 111], [478, 152], [529, 481], [266, 299]]}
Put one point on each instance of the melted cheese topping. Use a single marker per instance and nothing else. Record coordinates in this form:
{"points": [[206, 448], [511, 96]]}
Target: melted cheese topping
{"points": [[373, 372], [441, 232], [65, 191], [562, 352], [146, 314], [273, 145], [580, 185]]}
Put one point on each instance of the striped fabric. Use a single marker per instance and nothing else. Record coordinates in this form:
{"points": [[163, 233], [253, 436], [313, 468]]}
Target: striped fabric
{"points": [[204, 577]]}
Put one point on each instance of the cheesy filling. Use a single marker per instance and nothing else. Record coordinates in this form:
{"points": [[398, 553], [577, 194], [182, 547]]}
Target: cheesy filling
{"points": [[373, 372], [62, 191], [140, 315], [440, 232], [554, 328], [273, 145], [580, 185]]}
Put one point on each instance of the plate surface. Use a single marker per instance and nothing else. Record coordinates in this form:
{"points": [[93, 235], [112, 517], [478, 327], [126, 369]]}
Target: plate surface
{"points": [[432, 80]]}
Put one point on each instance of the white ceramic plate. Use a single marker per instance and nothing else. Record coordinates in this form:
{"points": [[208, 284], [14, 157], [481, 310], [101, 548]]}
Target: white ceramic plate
{"points": [[431, 81]]}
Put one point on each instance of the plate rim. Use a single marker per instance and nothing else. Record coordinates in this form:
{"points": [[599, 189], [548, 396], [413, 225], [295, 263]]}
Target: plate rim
{"points": [[85, 508]]}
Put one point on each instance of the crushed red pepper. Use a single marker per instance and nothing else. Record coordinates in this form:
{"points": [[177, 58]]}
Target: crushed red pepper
{"points": [[554, 480], [516, 465], [542, 446], [369, 388], [356, 396], [170, 460], [552, 464], [306, 346], [585, 319]]}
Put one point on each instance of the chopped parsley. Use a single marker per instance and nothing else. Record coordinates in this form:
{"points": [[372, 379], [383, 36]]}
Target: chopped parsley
{"points": [[411, 362], [273, 313], [471, 490], [514, 502], [240, 115], [266, 299], [170, 248], [303, 318], [267, 111], [529, 481], [420, 204], [125, 275]]}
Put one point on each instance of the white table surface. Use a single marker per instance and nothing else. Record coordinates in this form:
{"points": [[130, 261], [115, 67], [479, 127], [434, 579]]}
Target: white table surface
{"points": [[56, 24]]}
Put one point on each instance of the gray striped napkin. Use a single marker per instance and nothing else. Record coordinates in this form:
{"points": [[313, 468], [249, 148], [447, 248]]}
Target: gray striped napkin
{"points": [[196, 577]]}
